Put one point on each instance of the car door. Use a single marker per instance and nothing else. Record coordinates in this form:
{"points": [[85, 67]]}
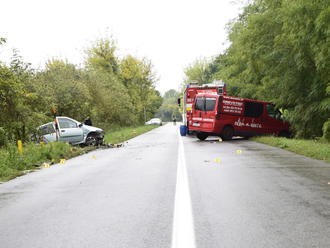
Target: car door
{"points": [[69, 131], [48, 133]]}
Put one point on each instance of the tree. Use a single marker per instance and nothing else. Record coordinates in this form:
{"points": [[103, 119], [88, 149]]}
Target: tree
{"points": [[138, 78], [2, 40], [62, 85], [279, 52], [101, 56], [169, 107], [198, 72], [19, 103]]}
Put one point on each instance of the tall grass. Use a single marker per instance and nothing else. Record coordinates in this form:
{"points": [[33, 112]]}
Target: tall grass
{"points": [[13, 163], [125, 133], [317, 149]]}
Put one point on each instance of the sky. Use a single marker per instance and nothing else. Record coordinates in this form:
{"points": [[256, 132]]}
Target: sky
{"points": [[170, 33]]}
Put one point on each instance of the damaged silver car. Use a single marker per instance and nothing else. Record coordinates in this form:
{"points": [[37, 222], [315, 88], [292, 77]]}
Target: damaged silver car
{"points": [[71, 131]]}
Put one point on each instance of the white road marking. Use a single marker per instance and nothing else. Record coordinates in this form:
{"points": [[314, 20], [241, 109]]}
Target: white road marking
{"points": [[183, 235]]}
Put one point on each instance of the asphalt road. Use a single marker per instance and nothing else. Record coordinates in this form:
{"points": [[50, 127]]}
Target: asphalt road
{"points": [[242, 194]]}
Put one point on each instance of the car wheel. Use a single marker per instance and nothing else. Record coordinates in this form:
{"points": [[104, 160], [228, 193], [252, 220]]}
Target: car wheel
{"points": [[227, 133], [202, 136], [92, 140]]}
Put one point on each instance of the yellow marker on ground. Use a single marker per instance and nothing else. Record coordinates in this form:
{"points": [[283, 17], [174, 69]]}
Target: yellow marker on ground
{"points": [[20, 146], [238, 151], [46, 165], [93, 157], [62, 161], [217, 160]]}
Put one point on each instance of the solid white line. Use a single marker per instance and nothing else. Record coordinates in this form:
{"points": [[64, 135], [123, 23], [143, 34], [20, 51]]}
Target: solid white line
{"points": [[183, 235]]}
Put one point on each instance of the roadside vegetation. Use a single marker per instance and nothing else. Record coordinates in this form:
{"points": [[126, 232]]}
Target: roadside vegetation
{"points": [[317, 149], [34, 156], [112, 91], [14, 163], [169, 108], [279, 52], [122, 134], [117, 93]]}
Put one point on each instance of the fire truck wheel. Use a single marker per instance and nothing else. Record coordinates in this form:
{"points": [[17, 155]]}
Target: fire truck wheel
{"points": [[202, 136], [285, 134], [227, 133]]}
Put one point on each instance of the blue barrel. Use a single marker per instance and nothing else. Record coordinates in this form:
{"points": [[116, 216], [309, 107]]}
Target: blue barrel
{"points": [[183, 130]]}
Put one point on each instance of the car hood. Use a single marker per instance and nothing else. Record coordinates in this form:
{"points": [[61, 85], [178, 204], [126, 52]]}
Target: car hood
{"points": [[88, 129]]}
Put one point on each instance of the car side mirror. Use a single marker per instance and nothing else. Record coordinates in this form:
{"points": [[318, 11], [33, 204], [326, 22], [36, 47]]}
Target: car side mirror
{"points": [[80, 125]]}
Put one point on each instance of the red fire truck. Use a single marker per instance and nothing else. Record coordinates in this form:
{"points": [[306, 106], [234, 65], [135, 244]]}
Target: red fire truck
{"points": [[214, 113], [190, 93]]}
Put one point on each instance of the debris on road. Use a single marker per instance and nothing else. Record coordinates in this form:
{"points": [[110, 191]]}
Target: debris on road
{"points": [[113, 145]]}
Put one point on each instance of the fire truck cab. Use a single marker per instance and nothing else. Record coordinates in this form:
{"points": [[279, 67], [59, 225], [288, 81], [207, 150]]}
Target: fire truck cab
{"points": [[227, 116], [189, 96]]}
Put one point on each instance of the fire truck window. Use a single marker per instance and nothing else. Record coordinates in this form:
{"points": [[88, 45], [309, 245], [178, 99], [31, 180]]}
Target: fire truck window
{"points": [[253, 109], [210, 103], [200, 103]]}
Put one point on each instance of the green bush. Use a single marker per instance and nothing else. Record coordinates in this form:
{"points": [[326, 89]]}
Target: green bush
{"points": [[326, 130], [3, 137]]}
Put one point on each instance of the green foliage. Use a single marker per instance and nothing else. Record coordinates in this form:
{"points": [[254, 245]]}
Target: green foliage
{"points": [[125, 133], [2, 40], [198, 72], [12, 163], [123, 89], [62, 85], [326, 131], [113, 92], [280, 52], [310, 148], [169, 108], [101, 56], [19, 103], [3, 137]]}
